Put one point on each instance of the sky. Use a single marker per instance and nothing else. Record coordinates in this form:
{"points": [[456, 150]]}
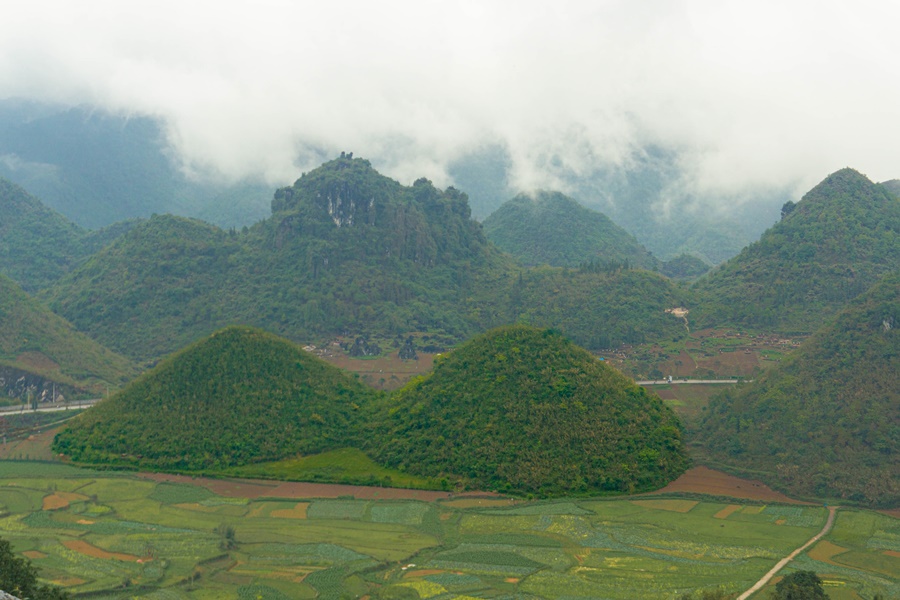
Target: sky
{"points": [[748, 94]]}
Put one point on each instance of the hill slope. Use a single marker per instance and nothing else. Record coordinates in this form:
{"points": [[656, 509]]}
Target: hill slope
{"points": [[345, 249], [828, 248], [524, 410], [42, 348], [553, 229], [236, 397], [826, 422]]}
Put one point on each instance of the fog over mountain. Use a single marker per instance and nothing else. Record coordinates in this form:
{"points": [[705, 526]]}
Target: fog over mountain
{"points": [[746, 100]]}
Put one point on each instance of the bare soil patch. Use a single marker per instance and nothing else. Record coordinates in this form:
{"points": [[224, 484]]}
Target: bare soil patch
{"points": [[892, 512], [423, 573], [384, 372], [34, 554], [87, 549], [36, 361], [59, 500], [35, 447], [703, 480]]}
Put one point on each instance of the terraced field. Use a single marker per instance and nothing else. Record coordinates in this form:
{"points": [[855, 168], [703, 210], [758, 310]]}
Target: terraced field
{"points": [[114, 535]]}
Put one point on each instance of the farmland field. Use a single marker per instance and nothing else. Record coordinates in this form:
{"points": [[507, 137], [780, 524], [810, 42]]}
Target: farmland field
{"points": [[116, 535]]}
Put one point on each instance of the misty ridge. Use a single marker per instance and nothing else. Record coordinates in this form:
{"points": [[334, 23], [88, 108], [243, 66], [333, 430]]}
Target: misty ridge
{"points": [[97, 168]]}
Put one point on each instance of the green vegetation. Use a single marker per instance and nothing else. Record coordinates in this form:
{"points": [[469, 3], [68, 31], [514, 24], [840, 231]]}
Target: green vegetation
{"points": [[37, 244], [347, 465], [297, 548], [684, 267], [345, 250], [825, 422], [18, 576], [236, 397], [832, 246], [41, 348], [800, 585], [244, 402], [524, 410], [550, 228]]}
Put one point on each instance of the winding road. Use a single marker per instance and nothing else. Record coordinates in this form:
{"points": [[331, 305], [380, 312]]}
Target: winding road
{"points": [[832, 511]]}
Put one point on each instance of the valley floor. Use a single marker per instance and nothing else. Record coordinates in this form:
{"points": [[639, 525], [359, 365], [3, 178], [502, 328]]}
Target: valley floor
{"points": [[118, 535]]}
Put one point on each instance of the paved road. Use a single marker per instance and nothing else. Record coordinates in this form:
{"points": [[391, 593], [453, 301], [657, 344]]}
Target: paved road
{"points": [[7, 410], [683, 381], [832, 511]]}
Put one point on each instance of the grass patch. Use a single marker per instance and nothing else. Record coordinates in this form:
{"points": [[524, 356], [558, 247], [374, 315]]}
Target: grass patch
{"points": [[346, 465]]}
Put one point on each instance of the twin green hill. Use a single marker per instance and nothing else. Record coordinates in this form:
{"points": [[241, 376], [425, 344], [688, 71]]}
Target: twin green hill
{"points": [[517, 409]]}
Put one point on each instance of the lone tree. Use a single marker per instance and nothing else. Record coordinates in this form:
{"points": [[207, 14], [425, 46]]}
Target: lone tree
{"points": [[19, 578], [802, 585]]}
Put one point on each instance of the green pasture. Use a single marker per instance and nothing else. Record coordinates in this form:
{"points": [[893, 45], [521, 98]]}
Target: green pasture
{"points": [[124, 537], [346, 465]]}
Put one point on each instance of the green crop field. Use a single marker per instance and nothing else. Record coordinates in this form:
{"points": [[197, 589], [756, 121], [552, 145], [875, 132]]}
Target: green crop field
{"points": [[120, 536]]}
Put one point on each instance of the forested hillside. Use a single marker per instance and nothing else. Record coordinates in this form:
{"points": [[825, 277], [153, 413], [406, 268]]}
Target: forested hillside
{"points": [[825, 422], [550, 228], [525, 410], [38, 245], [828, 248], [236, 397], [345, 250], [38, 348]]}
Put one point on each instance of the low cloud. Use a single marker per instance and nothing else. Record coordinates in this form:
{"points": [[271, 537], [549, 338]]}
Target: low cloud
{"points": [[764, 94]]}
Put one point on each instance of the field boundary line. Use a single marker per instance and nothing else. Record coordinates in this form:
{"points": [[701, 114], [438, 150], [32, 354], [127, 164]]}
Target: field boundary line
{"points": [[832, 512]]}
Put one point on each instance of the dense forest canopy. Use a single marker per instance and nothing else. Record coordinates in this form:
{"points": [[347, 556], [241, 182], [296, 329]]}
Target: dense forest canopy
{"points": [[345, 250], [829, 248], [549, 228], [524, 410], [825, 422], [239, 396]]}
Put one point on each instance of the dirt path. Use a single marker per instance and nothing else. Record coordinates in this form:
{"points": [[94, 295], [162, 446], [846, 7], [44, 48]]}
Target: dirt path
{"points": [[832, 511]]}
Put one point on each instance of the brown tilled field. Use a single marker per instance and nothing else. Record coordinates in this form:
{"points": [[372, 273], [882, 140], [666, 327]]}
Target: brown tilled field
{"points": [[703, 480], [384, 372]]}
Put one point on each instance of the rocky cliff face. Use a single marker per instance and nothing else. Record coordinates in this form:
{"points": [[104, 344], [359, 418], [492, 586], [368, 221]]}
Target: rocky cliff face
{"points": [[23, 385]]}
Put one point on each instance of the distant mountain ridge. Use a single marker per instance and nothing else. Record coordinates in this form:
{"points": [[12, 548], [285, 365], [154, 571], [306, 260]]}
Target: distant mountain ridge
{"points": [[551, 228], [828, 248], [38, 245], [345, 250], [98, 168]]}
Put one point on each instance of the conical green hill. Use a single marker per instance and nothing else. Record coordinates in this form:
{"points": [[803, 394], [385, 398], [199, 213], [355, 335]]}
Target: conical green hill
{"points": [[828, 248], [826, 421], [524, 410], [238, 396], [552, 229]]}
